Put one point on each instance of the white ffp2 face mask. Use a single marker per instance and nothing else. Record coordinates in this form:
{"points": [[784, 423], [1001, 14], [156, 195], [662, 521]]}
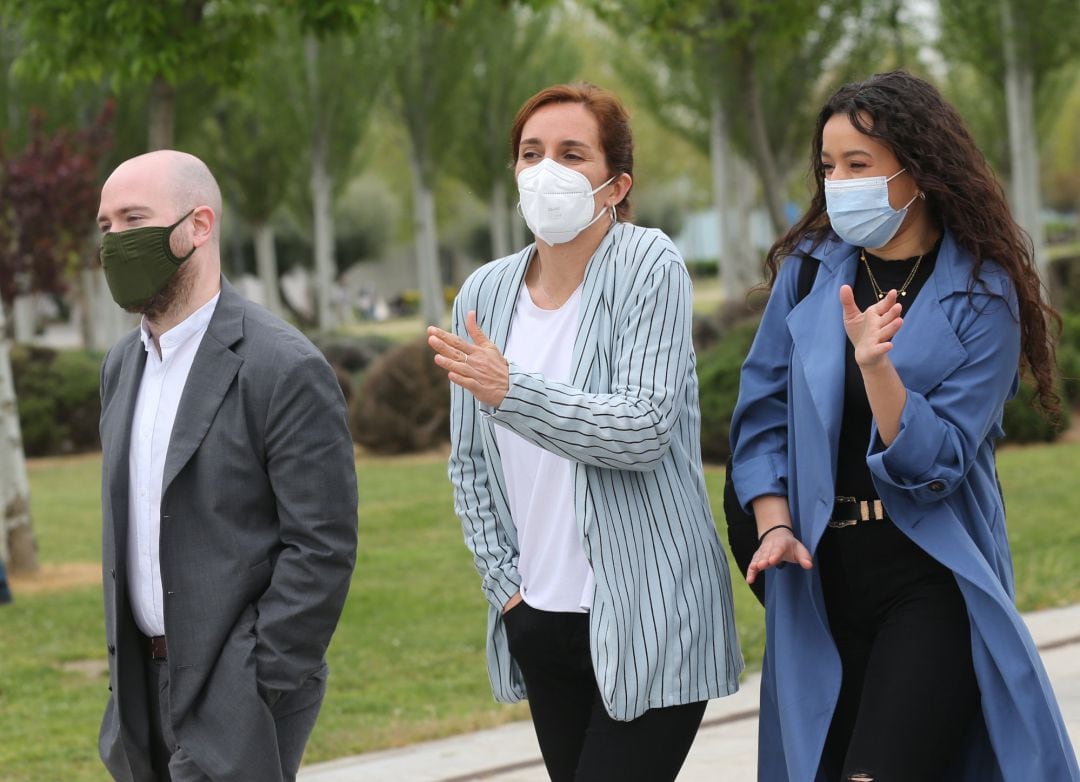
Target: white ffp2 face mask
{"points": [[557, 202]]}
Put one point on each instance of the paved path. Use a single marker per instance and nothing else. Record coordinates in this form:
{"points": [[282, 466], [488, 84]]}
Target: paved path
{"points": [[726, 746]]}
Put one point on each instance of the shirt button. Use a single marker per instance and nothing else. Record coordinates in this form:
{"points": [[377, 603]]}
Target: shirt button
{"points": [[936, 486]]}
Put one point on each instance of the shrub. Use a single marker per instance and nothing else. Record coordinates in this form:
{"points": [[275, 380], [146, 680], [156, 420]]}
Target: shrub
{"points": [[404, 402], [1023, 423], [351, 354], [58, 398], [718, 374], [1068, 357]]}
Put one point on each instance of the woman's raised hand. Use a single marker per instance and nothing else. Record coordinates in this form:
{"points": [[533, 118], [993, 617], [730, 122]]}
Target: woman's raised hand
{"points": [[478, 366], [871, 330]]}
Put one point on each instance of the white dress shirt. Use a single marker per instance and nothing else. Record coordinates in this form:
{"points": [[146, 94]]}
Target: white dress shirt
{"points": [[555, 574], [162, 384]]}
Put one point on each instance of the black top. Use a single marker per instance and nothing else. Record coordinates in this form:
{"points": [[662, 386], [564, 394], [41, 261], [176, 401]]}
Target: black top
{"points": [[852, 473]]}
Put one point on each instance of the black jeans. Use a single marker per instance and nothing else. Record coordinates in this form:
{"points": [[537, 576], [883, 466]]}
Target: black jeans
{"points": [[909, 693], [579, 741]]}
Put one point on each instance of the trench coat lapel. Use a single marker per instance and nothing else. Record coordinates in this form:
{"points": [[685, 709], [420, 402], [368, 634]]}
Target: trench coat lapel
{"points": [[816, 325], [212, 372], [926, 350]]}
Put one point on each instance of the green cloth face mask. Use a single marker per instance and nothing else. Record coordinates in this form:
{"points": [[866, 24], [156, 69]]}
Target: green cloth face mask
{"points": [[139, 262]]}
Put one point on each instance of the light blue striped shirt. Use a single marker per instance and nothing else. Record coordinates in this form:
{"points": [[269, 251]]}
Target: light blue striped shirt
{"points": [[662, 628]]}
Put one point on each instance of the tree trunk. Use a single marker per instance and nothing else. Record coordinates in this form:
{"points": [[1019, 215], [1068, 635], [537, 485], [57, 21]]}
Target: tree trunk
{"points": [[500, 219], [24, 318], [750, 261], [162, 111], [427, 245], [17, 545], [721, 159], [1023, 140], [266, 263], [321, 197], [764, 159]]}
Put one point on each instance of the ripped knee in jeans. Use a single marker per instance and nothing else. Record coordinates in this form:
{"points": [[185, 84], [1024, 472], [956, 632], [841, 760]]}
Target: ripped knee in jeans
{"points": [[860, 776]]}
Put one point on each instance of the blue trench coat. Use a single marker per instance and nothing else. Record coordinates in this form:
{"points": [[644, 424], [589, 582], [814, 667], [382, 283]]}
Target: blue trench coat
{"points": [[957, 355]]}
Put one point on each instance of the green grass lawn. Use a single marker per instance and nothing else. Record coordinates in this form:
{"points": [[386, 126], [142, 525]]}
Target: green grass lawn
{"points": [[407, 662]]}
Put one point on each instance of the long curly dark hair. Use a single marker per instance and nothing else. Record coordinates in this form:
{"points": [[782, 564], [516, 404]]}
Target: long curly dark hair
{"points": [[931, 141]]}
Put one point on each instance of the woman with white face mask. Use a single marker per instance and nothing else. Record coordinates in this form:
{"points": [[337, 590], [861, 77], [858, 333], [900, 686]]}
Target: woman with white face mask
{"points": [[864, 438], [576, 461]]}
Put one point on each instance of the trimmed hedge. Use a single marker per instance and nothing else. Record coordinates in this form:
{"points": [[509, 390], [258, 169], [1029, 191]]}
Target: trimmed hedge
{"points": [[58, 398]]}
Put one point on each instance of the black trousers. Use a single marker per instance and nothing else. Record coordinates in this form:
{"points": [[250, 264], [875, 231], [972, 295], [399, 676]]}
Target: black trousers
{"points": [[579, 741], [909, 694]]}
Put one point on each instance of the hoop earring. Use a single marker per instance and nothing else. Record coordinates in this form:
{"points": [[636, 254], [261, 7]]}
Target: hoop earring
{"points": [[614, 214]]}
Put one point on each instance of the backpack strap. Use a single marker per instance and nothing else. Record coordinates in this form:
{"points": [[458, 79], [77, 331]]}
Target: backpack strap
{"points": [[807, 272]]}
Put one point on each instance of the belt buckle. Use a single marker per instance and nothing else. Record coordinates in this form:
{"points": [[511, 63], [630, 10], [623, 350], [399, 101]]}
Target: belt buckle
{"points": [[841, 524]]}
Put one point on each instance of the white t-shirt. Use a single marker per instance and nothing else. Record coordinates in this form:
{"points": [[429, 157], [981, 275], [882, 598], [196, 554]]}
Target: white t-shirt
{"points": [[555, 575]]}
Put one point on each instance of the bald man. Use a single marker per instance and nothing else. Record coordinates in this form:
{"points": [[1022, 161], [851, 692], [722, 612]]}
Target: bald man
{"points": [[228, 500]]}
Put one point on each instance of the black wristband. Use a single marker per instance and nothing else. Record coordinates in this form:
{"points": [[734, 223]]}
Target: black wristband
{"points": [[761, 537]]}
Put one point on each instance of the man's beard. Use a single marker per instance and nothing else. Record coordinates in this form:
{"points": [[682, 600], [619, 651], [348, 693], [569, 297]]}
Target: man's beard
{"points": [[172, 298]]}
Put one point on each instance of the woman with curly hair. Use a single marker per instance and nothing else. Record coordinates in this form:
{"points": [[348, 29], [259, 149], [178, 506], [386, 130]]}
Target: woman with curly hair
{"points": [[864, 439]]}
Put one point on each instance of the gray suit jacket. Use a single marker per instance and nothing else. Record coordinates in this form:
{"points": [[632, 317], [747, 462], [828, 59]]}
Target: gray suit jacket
{"points": [[258, 540]]}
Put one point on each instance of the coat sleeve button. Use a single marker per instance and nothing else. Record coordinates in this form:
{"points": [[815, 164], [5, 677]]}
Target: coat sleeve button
{"points": [[936, 486]]}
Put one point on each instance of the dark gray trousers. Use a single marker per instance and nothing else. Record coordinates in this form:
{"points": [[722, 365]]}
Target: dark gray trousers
{"points": [[294, 717]]}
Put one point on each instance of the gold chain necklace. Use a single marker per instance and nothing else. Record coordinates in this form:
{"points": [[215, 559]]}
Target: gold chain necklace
{"points": [[902, 290]]}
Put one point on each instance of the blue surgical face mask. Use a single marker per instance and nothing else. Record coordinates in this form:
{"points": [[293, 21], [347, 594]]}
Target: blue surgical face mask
{"points": [[860, 212]]}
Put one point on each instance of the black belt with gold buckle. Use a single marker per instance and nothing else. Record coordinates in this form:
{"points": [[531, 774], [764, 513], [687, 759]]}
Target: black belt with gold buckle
{"points": [[849, 511]]}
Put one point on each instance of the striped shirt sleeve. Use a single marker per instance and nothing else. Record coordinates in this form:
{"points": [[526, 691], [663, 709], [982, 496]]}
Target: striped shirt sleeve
{"points": [[630, 427], [493, 553]]}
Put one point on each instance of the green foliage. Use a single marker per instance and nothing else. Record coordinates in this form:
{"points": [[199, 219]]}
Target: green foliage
{"points": [[517, 53], [345, 81], [434, 48], [718, 376], [706, 48], [1023, 423], [404, 403], [1068, 356], [58, 399], [135, 42], [1046, 34]]}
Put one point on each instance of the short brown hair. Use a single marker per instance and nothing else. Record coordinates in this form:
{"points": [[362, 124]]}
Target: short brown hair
{"points": [[611, 118]]}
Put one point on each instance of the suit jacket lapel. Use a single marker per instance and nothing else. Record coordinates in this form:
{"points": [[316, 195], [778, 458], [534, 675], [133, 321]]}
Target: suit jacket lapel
{"points": [[118, 445], [211, 374]]}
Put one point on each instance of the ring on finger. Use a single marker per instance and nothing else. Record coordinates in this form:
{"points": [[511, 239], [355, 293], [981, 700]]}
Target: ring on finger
{"points": [[466, 359]]}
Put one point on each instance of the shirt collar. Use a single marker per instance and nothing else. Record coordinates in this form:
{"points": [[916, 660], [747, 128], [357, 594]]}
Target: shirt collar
{"points": [[193, 325]]}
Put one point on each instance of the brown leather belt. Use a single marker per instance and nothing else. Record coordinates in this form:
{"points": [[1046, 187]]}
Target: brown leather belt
{"points": [[849, 511], [155, 646]]}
